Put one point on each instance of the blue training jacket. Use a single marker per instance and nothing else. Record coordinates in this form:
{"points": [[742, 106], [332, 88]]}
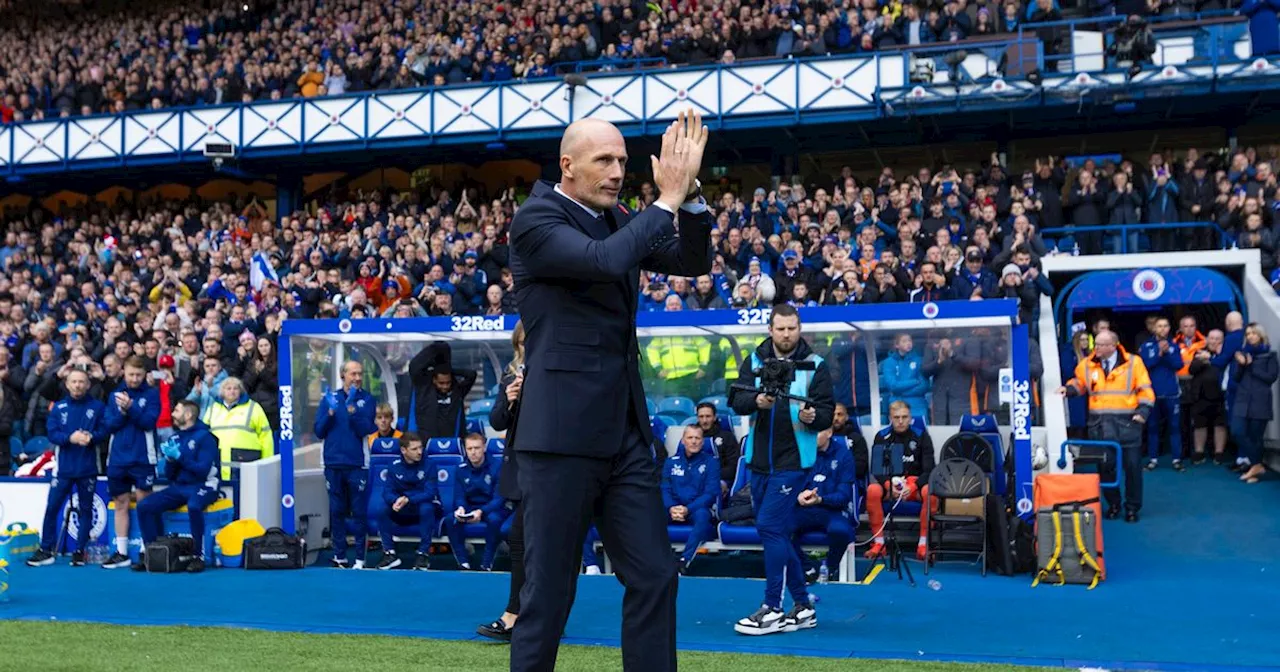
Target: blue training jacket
{"points": [[416, 480], [833, 474], [344, 432], [1162, 368], [477, 487], [200, 462], [690, 481], [67, 417], [133, 432]]}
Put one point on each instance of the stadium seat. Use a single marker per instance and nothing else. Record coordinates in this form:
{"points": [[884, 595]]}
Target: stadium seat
{"points": [[671, 419], [444, 446], [680, 407], [446, 474], [476, 426], [652, 407], [709, 447], [385, 446], [748, 535], [720, 401], [36, 445], [918, 423], [480, 407], [495, 447], [15, 447], [985, 426], [691, 420]]}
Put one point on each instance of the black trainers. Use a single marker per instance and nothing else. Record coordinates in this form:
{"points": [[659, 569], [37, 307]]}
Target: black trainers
{"points": [[40, 558], [1198, 459], [1131, 517], [339, 563], [195, 566], [117, 560], [422, 563], [139, 566], [811, 576], [77, 559], [389, 561], [766, 621], [1112, 513], [800, 617], [1178, 466]]}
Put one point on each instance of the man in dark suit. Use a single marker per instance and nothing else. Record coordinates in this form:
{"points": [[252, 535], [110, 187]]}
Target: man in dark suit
{"points": [[584, 447]]}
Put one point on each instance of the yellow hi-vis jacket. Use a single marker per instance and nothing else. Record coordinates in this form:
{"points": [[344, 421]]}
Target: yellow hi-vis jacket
{"points": [[243, 433], [678, 356]]}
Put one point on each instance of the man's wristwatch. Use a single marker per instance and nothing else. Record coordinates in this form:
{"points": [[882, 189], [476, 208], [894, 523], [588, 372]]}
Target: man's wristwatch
{"points": [[697, 192]]}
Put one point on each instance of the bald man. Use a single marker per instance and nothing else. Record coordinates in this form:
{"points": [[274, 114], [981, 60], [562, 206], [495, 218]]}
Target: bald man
{"points": [[583, 444]]}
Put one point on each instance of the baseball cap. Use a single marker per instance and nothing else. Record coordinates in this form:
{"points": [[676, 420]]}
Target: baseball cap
{"points": [[790, 254], [973, 255], [165, 362]]}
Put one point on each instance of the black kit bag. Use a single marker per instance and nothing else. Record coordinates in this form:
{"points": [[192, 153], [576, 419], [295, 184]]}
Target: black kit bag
{"points": [[275, 550], [168, 555]]}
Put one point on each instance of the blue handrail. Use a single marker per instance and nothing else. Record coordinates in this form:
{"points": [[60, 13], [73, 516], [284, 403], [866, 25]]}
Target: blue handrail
{"points": [[1081, 443], [1123, 230]]}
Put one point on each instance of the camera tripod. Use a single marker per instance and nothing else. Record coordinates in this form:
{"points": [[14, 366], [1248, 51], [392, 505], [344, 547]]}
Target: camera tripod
{"points": [[892, 559]]}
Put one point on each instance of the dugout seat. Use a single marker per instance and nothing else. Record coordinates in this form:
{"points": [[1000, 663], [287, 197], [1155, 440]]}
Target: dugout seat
{"points": [[446, 445], [720, 401], [385, 446], [678, 407], [984, 425], [480, 407], [476, 425], [495, 447], [748, 535]]}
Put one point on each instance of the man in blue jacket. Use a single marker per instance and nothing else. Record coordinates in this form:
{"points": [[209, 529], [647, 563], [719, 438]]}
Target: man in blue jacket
{"points": [[781, 447], [1163, 358], [75, 427], [131, 459], [902, 377], [192, 463], [476, 500], [409, 497], [345, 417], [827, 501], [690, 485]]}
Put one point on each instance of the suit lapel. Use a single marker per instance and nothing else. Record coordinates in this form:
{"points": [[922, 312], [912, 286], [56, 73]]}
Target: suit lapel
{"points": [[591, 226]]}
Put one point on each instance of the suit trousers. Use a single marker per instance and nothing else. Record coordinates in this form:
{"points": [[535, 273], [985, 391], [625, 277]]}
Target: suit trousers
{"points": [[515, 542], [562, 495]]}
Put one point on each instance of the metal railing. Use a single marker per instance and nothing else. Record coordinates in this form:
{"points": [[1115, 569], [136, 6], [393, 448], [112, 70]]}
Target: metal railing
{"points": [[1127, 231]]}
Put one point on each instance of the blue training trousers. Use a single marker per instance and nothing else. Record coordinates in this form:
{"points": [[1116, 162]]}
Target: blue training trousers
{"points": [[774, 497]]}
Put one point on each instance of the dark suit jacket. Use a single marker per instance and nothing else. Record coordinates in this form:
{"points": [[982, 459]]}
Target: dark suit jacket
{"points": [[577, 287]]}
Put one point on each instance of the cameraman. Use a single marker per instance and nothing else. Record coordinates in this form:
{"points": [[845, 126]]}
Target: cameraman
{"points": [[781, 446], [1133, 44]]}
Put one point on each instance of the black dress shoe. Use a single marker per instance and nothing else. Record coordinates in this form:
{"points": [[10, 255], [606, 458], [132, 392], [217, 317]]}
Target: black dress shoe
{"points": [[1112, 513], [495, 630], [1131, 517]]}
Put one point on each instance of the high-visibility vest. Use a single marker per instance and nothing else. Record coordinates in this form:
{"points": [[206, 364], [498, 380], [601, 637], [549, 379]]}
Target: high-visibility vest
{"points": [[678, 356], [1121, 391], [1189, 351], [243, 433]]}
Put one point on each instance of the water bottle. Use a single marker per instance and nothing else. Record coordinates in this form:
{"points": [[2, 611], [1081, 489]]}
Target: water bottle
{"points": [[1075, 250], [824, 574], [935, 584]]}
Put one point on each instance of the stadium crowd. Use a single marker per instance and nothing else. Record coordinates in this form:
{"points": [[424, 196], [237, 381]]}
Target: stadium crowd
{"points": [[72, 58], [200, 289]]}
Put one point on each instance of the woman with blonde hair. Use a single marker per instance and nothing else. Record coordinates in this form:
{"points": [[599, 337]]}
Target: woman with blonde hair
{"points": [[1255, 372]]}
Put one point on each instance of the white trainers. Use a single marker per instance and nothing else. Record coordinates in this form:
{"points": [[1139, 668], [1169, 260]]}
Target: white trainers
{"points": [[800, 617], [766, 621]]}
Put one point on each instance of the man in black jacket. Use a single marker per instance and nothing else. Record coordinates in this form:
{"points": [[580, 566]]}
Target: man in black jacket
{"points": [[901, 473], [439, 391], [781, 446]]}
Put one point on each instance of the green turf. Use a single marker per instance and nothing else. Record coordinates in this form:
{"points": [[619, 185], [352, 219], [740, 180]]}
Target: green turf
{"points": [[86, 647]]}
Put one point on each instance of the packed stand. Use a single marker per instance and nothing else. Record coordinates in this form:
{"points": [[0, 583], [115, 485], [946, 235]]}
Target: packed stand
{"points": [[70, 59]]}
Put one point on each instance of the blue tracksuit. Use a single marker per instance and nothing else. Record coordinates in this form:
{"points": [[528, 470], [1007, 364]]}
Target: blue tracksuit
{"points": [[902, 378], [1232, 341], [193, 482], [346, 463], [77, 466], [477, 488], [833, 476], [693, 482], [1167, 411], [132, 452], [418, 482]]}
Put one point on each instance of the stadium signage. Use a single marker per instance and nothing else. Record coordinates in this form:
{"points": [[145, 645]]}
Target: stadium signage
{"points": [[754, 315], [477, 323], [286, 412], [1022, 411]]}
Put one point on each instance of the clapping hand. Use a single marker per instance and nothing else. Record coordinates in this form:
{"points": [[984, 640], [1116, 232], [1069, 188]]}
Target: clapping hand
{"points": [[675, 171]]}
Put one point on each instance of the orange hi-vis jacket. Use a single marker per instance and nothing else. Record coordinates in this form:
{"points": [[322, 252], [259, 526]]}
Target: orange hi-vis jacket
{"points": [[1188, 350], [1124, 392]]}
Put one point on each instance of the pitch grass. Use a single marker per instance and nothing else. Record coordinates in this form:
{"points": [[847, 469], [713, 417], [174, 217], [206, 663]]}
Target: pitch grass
{"points": [[86, 647]]}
